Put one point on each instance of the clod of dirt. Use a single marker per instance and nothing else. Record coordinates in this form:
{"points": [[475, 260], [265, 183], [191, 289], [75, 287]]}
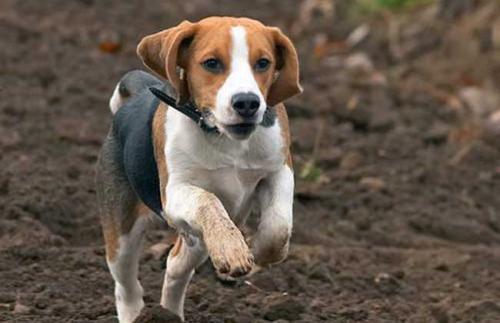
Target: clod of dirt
{"points": [[437, 134], [374, 184], [285, 308], [157, 314], [322, 273], [440, 314], [387, 283], [351, 160], [382, 121], [354, 314], [491, 130], [359, 62], [480, 101], [21, 309], [359, 115]]}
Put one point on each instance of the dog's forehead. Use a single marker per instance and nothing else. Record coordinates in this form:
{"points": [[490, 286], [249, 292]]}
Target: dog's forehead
{"points": [[227, 22], [217, 31]]}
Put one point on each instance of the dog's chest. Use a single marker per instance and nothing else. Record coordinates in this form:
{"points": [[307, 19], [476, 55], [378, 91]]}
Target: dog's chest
{"points": [[229, 169], [234, 187]]}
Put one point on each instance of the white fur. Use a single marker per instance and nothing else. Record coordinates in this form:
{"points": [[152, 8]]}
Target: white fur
{"points": [[276, 206], [124, 269], [179, 271], [116, 100], [240, 79]]}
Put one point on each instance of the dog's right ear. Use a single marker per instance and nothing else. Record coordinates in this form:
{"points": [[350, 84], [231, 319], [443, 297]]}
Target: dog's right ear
{"points": [[162, 52]]}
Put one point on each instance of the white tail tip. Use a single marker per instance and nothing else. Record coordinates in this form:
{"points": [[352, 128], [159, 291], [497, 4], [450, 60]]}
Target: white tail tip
{"points": [[116, 100]]}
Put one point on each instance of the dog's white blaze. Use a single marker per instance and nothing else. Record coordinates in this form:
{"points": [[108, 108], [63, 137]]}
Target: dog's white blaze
{"points": [[240, 79]]}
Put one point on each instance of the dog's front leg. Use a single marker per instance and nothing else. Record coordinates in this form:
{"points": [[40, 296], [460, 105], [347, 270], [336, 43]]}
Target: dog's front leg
{"points": [[200, 213], [205, 228], [271, 241]]}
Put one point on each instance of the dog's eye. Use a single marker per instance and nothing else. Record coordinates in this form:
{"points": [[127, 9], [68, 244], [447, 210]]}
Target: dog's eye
{"points": [[213, 65], [262, 65]]}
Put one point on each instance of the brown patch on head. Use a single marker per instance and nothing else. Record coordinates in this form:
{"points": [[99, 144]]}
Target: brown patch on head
{"points": [[188, 45], [212, 41], [159, 137]]}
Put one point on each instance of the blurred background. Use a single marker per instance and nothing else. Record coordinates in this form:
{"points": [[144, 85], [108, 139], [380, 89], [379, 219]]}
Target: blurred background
{"points": [[396, 152]]}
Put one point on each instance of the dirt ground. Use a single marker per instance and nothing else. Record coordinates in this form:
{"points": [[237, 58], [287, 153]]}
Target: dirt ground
{"points": [[397, 209]]}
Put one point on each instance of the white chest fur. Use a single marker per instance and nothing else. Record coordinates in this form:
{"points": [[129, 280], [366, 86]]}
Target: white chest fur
{"points": [[228, 168]]}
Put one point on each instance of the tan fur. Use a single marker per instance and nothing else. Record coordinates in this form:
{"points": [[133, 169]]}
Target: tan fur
{"points": [[177, 247], [163, 51], [111, 232], [113, 229], [158, 133], [285, 132]]}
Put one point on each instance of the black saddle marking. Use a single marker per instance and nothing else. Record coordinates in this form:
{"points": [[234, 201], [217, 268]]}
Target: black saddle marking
{"points": [[132, 125]]}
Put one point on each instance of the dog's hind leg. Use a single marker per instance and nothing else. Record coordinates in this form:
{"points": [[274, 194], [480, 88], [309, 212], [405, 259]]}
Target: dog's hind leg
{"points": [[124, 268], [123, 220], [185, 256]]}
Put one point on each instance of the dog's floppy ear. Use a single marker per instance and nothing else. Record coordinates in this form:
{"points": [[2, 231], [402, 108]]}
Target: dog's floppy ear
{"points": [[163, 52], [286, 83]]}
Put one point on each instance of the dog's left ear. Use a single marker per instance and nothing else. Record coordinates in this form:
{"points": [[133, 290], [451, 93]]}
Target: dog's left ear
{"points": [[163, 53], [286, 84]]}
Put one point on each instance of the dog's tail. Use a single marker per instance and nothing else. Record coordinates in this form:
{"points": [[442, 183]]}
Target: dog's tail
{"points": [[131, 83]]}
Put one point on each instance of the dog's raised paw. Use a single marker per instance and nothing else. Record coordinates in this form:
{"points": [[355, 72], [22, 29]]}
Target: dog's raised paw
{"points": [[231, 255]]}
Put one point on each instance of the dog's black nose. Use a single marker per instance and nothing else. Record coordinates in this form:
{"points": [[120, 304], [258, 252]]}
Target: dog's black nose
{"points": [[246, 104]]}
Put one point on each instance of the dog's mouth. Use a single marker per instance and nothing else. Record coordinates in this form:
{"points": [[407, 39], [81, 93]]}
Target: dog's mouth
{"points": [[240, 130]]}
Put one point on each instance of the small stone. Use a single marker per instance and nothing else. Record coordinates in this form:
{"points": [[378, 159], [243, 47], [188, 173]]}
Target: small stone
{"points": [[21, 309], [491, 129], [359, 62], [480, 101], [373, 183], [387, 283], [437, 134]]}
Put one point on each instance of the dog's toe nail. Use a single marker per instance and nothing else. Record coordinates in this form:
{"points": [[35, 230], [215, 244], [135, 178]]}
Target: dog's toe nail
{"points": [[238, 272]]}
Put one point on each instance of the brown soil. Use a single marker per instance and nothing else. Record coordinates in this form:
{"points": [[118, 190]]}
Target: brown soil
{"points": [[397, 219]]}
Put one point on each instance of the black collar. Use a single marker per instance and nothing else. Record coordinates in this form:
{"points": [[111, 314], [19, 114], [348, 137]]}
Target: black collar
{"points": [[189, 109]]}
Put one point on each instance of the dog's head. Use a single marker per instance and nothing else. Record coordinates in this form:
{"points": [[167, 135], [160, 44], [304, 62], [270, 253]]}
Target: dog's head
{"points": [[233, 68]]}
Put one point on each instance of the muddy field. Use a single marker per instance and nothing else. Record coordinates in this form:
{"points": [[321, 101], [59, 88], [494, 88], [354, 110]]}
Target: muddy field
{"points": [[397, 210]]}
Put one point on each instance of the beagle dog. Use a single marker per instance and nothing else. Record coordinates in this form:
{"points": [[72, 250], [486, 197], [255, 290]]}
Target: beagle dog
{"points": [[204, 184]]}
